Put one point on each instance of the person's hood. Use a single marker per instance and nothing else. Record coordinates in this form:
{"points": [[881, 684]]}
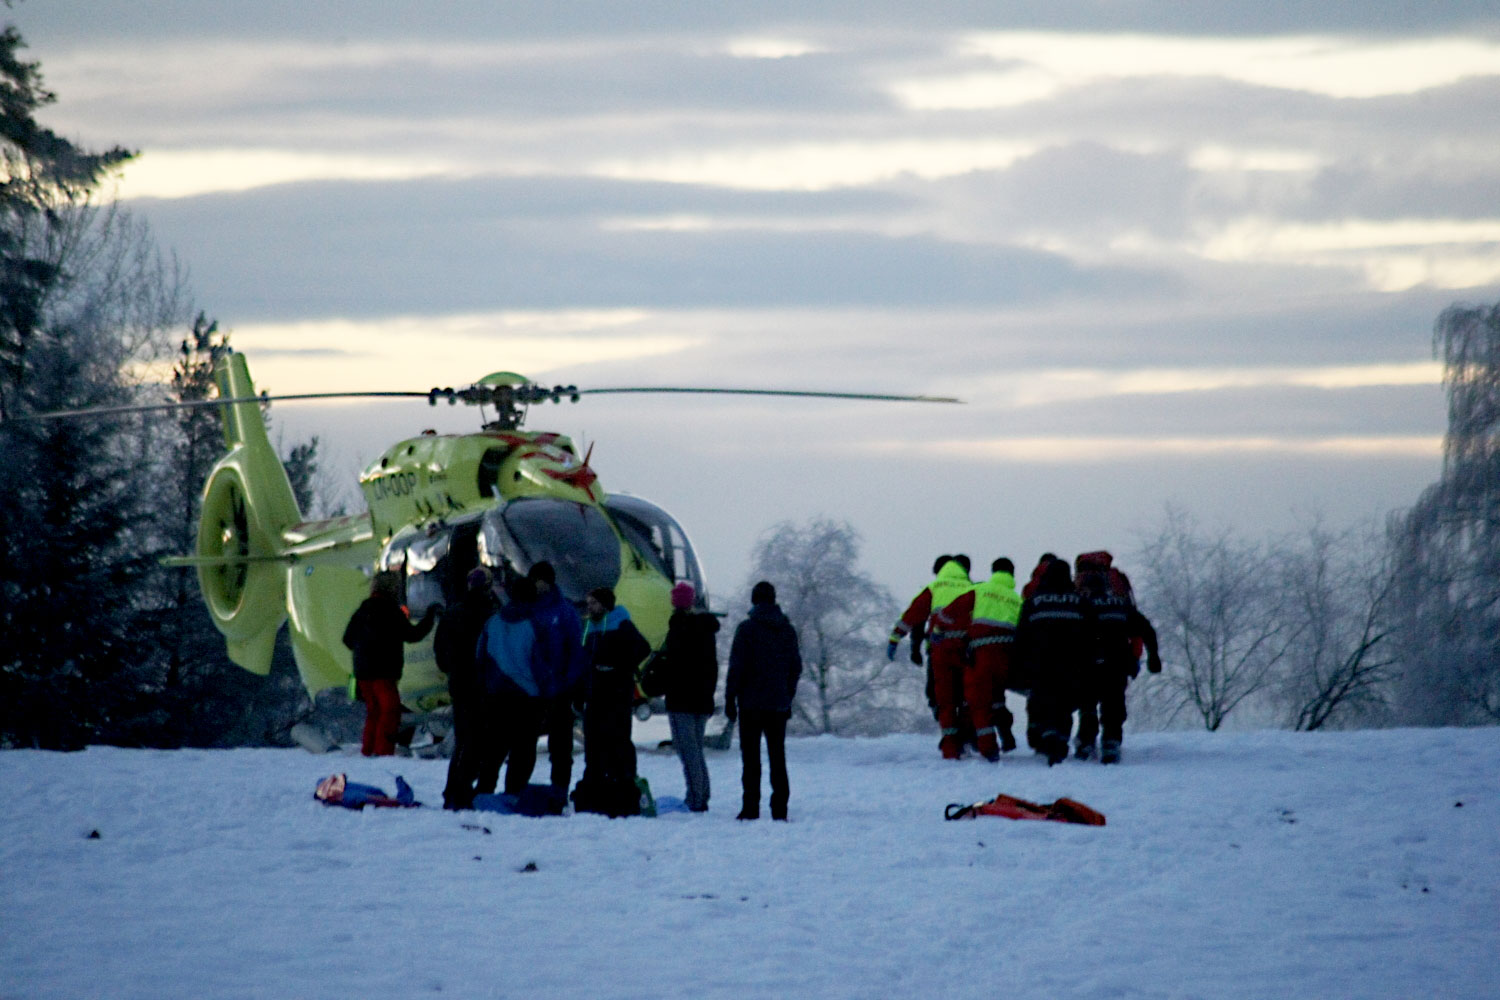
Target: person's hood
{"points": [[952, 570], [1003, 579]]}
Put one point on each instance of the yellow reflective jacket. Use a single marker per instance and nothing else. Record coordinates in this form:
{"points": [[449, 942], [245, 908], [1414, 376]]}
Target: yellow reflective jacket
{"points": [[996, 603]]}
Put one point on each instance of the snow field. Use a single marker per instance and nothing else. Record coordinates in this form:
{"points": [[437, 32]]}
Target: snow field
{"points": [[1233, 865]]}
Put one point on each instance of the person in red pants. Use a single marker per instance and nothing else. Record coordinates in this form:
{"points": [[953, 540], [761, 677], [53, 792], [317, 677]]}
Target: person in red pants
{"points": [[918, 621], [991, 636], [948, 655], [376, 633]]}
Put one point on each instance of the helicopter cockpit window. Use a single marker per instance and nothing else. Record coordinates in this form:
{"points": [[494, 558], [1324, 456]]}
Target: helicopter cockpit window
{"points": [[575, 538], [653, 533]]}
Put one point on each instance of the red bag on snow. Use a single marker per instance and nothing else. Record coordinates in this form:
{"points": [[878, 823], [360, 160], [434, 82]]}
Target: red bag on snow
{"points": [[1010, 807]]}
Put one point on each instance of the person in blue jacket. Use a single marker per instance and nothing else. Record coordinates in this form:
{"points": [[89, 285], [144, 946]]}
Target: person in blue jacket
{"points": [[510, 695], [561, 670]]}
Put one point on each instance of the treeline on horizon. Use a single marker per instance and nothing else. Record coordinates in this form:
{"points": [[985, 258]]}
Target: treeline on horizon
{"points": [[101, 644]]}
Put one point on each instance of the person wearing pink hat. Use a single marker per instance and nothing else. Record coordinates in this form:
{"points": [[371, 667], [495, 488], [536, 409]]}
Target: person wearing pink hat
{"points": [[691, 673]]}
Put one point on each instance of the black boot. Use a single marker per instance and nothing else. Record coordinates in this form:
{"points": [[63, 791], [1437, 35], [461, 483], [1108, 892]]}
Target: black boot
{"points": [[1111, 752], [1055, 746], [1007, 741]]}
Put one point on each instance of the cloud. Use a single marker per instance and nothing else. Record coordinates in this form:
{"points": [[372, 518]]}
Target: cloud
{"points": [[330, 250], [444, 350], [1075, 449], [1036, 66]]}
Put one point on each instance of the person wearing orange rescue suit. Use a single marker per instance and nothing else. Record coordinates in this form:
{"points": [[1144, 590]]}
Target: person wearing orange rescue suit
{"points": [[952, 580], [947, 640], [992, 633]]}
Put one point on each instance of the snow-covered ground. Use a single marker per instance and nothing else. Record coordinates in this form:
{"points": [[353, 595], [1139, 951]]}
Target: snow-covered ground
{"points": [[1257, 865]]}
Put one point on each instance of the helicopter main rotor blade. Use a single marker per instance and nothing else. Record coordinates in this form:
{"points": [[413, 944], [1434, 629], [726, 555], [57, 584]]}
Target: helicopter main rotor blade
{"points": [[193, 404], [524, 394], [806, 394]]}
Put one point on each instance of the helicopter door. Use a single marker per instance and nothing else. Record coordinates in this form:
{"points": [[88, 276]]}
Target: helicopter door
{"points": [[433, 567], [574, 537], [654, 533], [426, 563]]}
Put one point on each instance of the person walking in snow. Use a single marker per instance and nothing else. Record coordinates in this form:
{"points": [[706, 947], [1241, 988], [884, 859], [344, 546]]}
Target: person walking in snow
{"points": [[1116, 663], [690, 661], [765, 664], [952, 581], [1055, 643], [1019, 680], [991, 637], [376, 633], [614, 648], [454, 647]]}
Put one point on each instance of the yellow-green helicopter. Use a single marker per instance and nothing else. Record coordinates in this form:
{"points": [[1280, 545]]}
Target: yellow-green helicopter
{"points": [[439, 505]]}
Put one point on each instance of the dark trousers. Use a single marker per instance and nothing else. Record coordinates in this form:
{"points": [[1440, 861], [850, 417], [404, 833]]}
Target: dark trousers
{"points": [[1104, 704], [525, 720], [382, 717], [465, 764], [1050, 708], [755, 723], [608, 752]]}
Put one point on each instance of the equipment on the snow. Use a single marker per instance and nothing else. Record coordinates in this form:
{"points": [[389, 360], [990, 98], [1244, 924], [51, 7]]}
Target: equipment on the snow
{"points": [[1010, 807], [533, 800], [338, 790]]}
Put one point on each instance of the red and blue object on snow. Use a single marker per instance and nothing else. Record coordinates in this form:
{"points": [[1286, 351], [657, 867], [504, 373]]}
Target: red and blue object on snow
{"points": [[338, 790]]}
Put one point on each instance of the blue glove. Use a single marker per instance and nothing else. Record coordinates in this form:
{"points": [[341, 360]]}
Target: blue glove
{"points": [[890, 650]]}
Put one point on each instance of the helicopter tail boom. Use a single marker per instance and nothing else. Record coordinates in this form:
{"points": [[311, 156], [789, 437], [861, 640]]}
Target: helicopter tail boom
{"points": [[247, 505]]}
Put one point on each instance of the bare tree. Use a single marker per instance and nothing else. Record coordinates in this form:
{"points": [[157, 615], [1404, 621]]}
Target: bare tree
{"points": [[1218, 618], [1336, 594], [842, 616], [1447, 547]]}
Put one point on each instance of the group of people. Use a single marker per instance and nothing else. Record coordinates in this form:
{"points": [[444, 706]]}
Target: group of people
{"points": [[1070, 641], [522, 663]]}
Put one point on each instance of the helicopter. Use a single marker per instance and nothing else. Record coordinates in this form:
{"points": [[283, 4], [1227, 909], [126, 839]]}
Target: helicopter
{"points": [[439, 505]]}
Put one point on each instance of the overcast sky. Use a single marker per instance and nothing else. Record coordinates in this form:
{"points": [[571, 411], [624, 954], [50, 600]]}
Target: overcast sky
{"points": [[1167, 253]]}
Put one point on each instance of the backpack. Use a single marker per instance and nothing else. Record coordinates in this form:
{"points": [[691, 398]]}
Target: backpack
{"points": [[613, 797], [1116, 582]]}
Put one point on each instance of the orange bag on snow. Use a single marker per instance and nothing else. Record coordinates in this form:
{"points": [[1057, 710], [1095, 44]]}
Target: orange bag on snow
{"points": [[1010, 807]]}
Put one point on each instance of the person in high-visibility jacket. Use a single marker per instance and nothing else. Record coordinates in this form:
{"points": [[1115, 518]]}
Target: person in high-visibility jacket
{"points": [[948, 659], [991, 637], [944, 666]]}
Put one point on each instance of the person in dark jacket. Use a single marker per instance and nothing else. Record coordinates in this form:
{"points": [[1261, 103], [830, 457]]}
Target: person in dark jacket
{"points": [[765, 664], [454, 646], [562, 670], [1055, 644], [1018, 680], [1119, 625], [376, 633], [614, 648], [691, 661]]}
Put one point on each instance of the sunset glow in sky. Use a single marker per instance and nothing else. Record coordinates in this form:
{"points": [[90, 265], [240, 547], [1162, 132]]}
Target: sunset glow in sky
{"points": [[1165, 255]]}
